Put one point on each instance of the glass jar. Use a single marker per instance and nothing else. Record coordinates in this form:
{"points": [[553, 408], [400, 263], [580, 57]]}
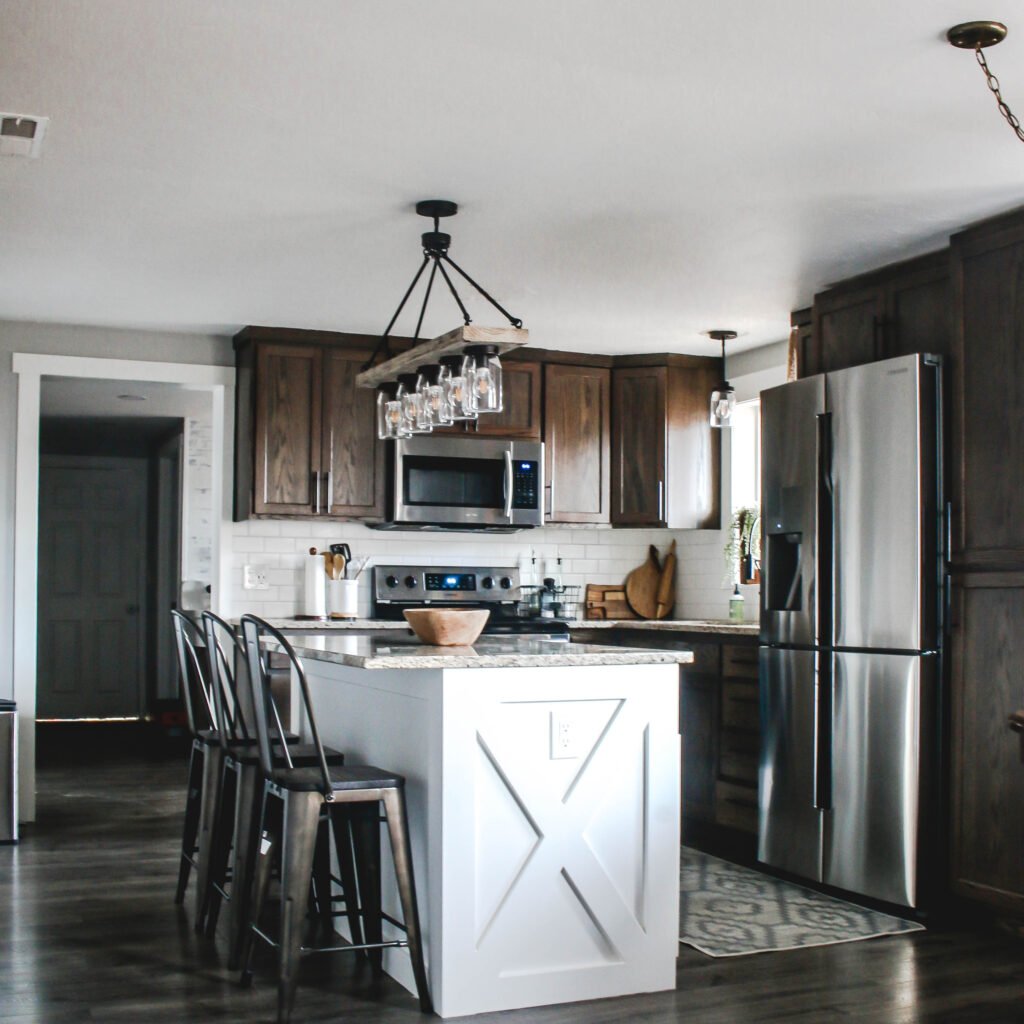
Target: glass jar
{"points": [[412, 404], [486, 378], [457, 384], [436, 407], [389, 412]]}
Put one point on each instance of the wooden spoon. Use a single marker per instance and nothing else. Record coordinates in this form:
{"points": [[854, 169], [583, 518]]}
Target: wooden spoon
{"points": [[339, 567]]}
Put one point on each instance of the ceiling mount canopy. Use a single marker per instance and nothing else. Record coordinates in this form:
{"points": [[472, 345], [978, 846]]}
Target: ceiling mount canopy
{"points": [[977, 36]]}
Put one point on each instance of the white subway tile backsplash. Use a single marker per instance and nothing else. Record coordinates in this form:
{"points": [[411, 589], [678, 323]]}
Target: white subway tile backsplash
{"points": [[589, 555]]}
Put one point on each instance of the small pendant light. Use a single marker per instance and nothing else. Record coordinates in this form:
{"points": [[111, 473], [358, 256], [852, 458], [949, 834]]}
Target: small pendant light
{"points": [[723, 398]]}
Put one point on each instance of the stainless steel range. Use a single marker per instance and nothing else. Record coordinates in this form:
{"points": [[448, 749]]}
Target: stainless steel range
{"points": [[397, 587]]}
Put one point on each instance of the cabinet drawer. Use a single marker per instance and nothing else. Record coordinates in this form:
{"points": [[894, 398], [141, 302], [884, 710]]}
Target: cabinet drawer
{"points": [[740, 707], [736, 806], [739, 662], [738, 756]]}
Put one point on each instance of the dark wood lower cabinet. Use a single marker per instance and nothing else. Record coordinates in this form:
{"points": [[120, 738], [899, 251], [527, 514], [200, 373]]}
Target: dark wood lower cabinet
{"points": [[987, 785]]}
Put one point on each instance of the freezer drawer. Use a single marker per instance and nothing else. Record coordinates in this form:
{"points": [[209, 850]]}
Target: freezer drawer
{"points": [[789, 834], [878, 749]]}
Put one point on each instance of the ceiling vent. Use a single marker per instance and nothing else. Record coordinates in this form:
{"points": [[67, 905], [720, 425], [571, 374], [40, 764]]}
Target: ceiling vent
{"points": [[22, 134]]}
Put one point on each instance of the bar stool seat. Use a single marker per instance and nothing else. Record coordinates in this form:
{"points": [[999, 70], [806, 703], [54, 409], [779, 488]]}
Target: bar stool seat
{"points": [[307, 779]]}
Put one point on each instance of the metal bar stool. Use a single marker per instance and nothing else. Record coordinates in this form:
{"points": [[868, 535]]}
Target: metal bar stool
{"points": [[201, 717], [233, 843], [295, 802]]}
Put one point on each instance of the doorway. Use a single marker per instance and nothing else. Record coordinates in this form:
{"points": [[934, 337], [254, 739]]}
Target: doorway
{"points": [[217, 384], [110, 509]]}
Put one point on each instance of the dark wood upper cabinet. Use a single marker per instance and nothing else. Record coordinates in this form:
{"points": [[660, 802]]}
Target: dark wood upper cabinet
{"points": [[305, 441], [577, 436], [638, 445], [903, 308], [521, 404], [287, 430], [848, 327], [353, 458], [665, 454], [989, 399]]}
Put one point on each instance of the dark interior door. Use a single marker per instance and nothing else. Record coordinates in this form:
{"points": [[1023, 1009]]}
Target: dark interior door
{"points": [[92, 531]]}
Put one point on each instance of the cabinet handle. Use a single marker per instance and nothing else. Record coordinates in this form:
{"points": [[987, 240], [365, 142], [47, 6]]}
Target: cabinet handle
{"points": [[316, 502], [330, 491], [661, 500]]}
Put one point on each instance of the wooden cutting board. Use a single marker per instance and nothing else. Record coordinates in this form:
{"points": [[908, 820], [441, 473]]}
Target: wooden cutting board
{"points": [[667, 584], [642, 586], [607, 602]]}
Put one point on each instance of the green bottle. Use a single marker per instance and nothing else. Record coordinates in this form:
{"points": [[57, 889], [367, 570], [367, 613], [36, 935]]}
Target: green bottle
{"points": [[736, 605]]}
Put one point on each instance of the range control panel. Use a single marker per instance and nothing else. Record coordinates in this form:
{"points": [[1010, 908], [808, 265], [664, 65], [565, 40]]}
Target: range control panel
{"points": [[422, 584]]}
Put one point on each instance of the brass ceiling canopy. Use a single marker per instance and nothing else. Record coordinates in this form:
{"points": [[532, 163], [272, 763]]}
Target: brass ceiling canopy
{"points": [[972, 34]]}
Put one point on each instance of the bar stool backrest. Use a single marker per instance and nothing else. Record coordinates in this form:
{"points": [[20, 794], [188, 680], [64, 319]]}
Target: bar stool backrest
{"points": [[225, 651], [195, 688], [269, 732]]}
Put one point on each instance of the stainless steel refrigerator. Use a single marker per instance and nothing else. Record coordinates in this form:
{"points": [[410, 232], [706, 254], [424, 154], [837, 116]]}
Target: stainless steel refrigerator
{"points": [[851, 626]]}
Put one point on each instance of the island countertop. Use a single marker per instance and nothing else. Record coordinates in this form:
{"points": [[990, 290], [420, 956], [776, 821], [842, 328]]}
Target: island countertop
{"points": [[376, 652]]}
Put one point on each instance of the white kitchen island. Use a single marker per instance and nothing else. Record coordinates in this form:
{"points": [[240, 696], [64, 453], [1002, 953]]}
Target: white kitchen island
{"points": [[543, 790]]}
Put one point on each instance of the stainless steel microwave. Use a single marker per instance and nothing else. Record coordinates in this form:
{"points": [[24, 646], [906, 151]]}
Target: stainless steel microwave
{"points": [[465, 483]]}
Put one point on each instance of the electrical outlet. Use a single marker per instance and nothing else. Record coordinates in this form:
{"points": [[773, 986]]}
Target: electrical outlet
{"points": [[254, 577], [564, 736]]}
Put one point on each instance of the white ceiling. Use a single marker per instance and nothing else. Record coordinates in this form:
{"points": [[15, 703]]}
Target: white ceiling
{"points": [[631, 174], [75, 396]]}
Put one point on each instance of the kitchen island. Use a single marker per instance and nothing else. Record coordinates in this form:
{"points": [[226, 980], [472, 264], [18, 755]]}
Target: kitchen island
{"points": [[543, 790]]}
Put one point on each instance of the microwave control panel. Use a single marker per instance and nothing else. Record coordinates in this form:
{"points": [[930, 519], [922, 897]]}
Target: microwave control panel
{"points": [[525, 477]]}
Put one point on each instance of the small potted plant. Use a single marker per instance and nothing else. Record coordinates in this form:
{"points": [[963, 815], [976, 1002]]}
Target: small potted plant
{"points": [[743, 547]]}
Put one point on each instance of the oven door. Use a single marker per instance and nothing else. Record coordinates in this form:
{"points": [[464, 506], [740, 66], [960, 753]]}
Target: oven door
{"points": [[468, 482]]}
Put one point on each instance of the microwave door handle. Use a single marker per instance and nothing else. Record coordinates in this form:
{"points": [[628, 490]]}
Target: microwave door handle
{"points": [[508, 484]]}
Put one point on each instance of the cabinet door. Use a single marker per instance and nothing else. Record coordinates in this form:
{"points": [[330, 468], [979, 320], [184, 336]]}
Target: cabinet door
{"points": [[577, 443], [698, 726], [353, 458], [639, 422], [919, 312], [286, 445], [848, 327], [521, 407], [989, 284], [987, 646]]}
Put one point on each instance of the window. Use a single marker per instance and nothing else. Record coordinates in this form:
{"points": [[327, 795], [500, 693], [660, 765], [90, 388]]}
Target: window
{"points": [[746, 455]]}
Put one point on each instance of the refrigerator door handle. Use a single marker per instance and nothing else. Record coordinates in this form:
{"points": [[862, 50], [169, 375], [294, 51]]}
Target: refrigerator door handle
{"points": [[823, 570], [822, 779]]}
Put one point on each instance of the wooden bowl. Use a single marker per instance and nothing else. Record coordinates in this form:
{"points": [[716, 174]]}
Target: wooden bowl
{"points": [[447, 627]]}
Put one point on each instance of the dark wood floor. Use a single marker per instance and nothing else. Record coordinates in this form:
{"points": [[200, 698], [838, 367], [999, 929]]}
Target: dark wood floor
{"points": [[89, 932]]}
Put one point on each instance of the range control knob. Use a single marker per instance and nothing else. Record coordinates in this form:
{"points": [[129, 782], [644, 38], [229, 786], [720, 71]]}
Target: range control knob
{"points": [[391, 581], [487, 582], [410, 582], [506, 582]]}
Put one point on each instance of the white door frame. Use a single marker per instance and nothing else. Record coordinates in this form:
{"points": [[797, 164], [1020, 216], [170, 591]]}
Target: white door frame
{"points": [[31, 368]]}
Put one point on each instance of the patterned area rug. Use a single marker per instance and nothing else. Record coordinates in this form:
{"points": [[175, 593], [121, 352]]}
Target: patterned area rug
{"points": [[727, 910]]}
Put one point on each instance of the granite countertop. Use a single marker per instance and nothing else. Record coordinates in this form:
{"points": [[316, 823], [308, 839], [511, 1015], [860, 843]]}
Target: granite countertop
{"points": [[723, 626], [726, 627], [374, 652]]}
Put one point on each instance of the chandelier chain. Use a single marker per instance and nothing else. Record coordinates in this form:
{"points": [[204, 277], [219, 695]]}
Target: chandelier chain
{"points": [[993, 83]]}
